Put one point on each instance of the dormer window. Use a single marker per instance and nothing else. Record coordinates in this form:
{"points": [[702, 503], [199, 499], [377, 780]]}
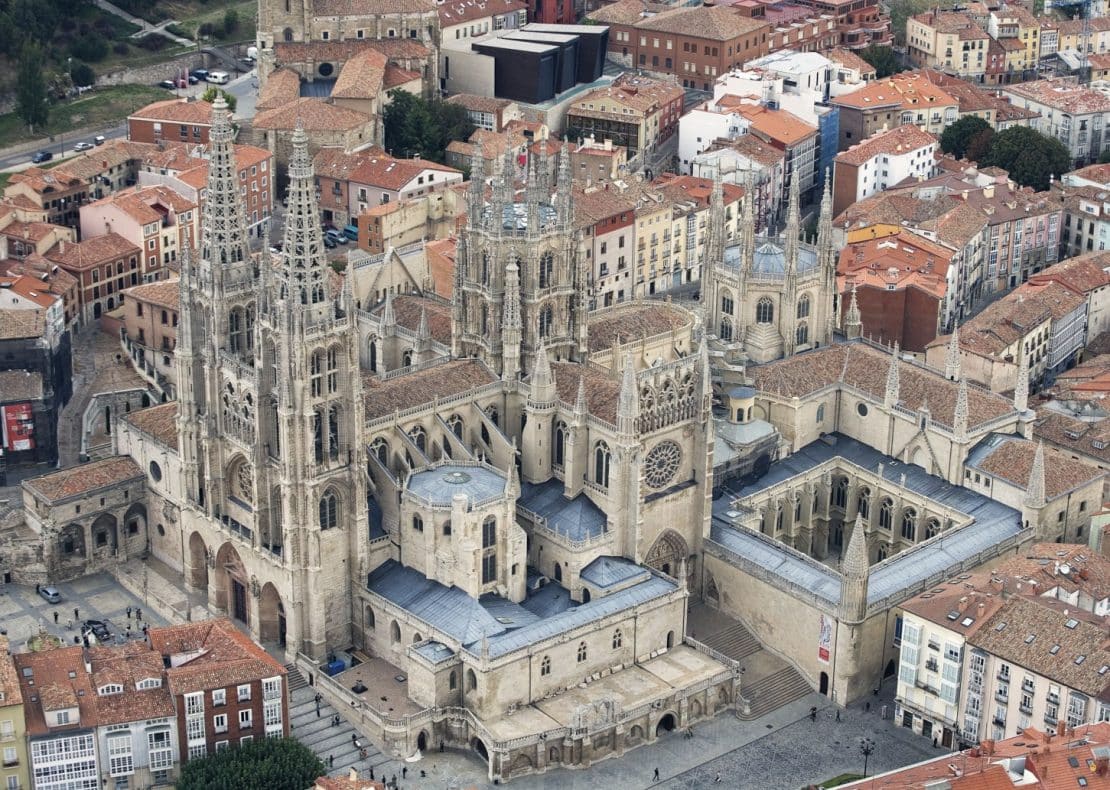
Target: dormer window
{"points": [[149, 683], [109, 688]]}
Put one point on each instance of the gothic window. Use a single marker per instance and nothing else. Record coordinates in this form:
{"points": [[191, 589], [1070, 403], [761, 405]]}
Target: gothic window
{"points": [[727, 306], [797, 510], [485, 268], [318, 436], [618, 639], [373, 356], [455, 423], [545, 321], [453, 680], [545, 666], [316, 371], [726, 330], [275, 426], [329, 510], [778, 518], [909, 524], [489, 533], [493, 415], [601, 464], [471, 680], [932, 528], [764, 311], [406, 359], [419, 438], [394, 632], [801, 334], [244, 483], [485, 320], [380, 448], [235, 331], [560, 443], [820, 413], [547, 270], [287, 34], [333, 369], [489, 568], [333, 432], [840, 493], [581, 652], [886, 514], [248, 327], [661, 464], [803, 306], [864, 502], [417, 522], [446, 528], [882, 552]]}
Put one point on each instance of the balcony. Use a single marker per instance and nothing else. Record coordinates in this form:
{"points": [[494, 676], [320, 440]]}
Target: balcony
{"points": [[1002, 697], [1050, 720], [1026, 709], [11, 763]]}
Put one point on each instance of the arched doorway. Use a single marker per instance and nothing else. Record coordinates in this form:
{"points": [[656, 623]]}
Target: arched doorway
{"points": [[666, 724], [230, 584], [271, 615], [422, 741], [666, 553], [198, 563], [824, 684], [480, 749], [71, 542], [105, 533]]}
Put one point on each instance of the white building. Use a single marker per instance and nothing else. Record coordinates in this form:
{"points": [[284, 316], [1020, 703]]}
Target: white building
{"points": [[881, 161], [705, 124], [1071, 113]]}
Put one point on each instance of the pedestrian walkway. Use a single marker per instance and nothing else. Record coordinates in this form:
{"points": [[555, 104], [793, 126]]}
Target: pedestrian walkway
{"points": [[145, 28]]}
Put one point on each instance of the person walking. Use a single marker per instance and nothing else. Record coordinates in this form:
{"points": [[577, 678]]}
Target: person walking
{"points": [[655, 776], [138, 614], [331, 761], [128, 612], [55, 617], [76, 614]]}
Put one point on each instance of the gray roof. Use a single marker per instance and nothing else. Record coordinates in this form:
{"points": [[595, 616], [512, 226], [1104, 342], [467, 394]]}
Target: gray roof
{"points": [[439, 484], [318, 88], [734, 438], [992, 522], [577, 518], [770, 259], [435, 651], [507, 626], [515, 216], [607, 571]]}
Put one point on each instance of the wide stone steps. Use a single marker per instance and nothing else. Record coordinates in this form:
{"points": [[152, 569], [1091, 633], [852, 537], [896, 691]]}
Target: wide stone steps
{"points": [[296, 679], [736, 641], [772, 692]]}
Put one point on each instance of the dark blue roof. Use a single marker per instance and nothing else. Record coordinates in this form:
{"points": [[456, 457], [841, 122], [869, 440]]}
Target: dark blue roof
{"points": [[770, 258], [608, 571], [317, 88], [374, 513], [577, 518]]}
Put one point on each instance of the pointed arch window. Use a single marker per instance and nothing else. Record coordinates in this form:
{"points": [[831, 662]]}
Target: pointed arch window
{"points": [[333, 369], [764, 311], [801, 334], [248, 327], [333, 432], [909, 524], [560, 444], [485, 268], [419, 438], [803, 306], [316, 374], [329, 510], [547, 270], [863, 504], [380, 448], [932, 528], [235, 331], [602, 457], [545, 321], [726, 330], [727, 305], [581, 652], [840, 493], [455, 423], [545, 666], [886, 514], [618, 639]]}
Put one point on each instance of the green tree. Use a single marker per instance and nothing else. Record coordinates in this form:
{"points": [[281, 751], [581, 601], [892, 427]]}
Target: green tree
{"points": [[82, 74], [30, 92], [1028, 156], [1104, 157], [91, 46], [210, 97], [978, 146], [957, 136], [265, 764], [883, 59], [231, 21], [423, 127]]}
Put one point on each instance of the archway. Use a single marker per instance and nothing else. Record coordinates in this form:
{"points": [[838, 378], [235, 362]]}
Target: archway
{"points": [[670, 639], [198, 563], [271, 615], [665, 554], [480, 748], [824, 686], [422, 741], [71, 541], [105, 532], [666, 724], [134, 520], [230, 584], [585, 595]]}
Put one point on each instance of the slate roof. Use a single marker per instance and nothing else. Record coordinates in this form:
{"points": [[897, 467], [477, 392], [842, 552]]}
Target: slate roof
{"points": [[577, 519], [440, 484], [609, 571]]}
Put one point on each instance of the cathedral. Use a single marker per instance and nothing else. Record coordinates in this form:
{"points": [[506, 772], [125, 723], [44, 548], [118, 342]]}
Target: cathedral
{"points": [[495, 509]]}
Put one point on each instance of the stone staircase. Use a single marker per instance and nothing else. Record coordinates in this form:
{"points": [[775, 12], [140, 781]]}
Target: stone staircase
{"points": [[321, 736], [772, 692], [735, 641]]}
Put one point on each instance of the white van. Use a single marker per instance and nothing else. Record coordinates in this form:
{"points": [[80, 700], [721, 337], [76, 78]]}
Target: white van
{"points": [[218, 77]]}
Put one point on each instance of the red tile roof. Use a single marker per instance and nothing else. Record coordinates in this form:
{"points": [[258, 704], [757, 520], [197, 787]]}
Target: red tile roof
{"points": [[159, 422], [85, 478], [225, 656]]}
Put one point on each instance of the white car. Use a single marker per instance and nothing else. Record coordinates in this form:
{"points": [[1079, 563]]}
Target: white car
{"points": [[83, 146]]}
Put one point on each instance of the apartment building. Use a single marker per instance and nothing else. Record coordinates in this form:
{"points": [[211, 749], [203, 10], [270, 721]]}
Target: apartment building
{"points": [[751, 163], [150, 317], [157, 219], [696, 44], [687, 198], [635, 112], [13, 729], [906, 98], [56, 191], [1019, 33], [606, 214], [949, 41], [184, 120], [861, 23], [103, 266], [487, 112], [881, 161], [1089, 275], [1071, 113]]}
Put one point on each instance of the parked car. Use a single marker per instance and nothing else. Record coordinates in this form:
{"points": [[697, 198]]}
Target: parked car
{"points": [[50, 593], [193, 80], [168, 85], [99, 139], [200, 74], [218, 77], [351, 232], [99, 629], [83, 146], [329, 242], [336, 236], [42, 156]]}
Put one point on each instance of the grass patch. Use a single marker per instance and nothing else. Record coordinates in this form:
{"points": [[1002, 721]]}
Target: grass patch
{"points": [[193, 15], [836, 781], [102, 107]]}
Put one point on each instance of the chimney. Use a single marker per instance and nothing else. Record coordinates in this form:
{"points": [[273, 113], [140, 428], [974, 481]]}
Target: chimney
{"points": [[982, 608], [961, 607], [987, 745], [1061, 725], [1102, 765]]}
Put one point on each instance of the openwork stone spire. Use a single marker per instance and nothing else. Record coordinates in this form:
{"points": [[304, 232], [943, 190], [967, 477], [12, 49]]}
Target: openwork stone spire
{"points": [[826, 246], [304, 267], [853, 321], [542, 384], [952, 355], [628, 403], [1021, 386], [224, 241], [563, 204], [512, 328], [715, 248], [892, 382], [960, 415], [747, 229], [477, 186], [855, 567], [793, 224], [1035, 490]]}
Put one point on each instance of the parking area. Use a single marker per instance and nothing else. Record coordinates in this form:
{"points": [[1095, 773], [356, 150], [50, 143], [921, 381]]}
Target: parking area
{"points": [[23, 612]]}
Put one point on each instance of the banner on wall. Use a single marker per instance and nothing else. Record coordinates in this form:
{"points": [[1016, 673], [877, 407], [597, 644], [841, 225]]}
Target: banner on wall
{"points": [[824, 639], [18, 427]]}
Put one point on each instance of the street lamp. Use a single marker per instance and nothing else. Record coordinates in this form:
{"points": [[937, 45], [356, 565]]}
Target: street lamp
{"points": [[866, 748]]}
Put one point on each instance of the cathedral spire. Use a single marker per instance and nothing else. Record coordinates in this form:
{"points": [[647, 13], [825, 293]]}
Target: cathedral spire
{"points": [[826, 244], [892, 384], [303, 274], [389, 320], [952, 355], [853, 321], [854, 567], [1035, 489], [715, 249], [476, 192], [224, 242], [541, 386], [1021, 386], [793, 224], [532, 198], [747, 229], [512, 329], [960, 415], [628, 403], [563, 196]]}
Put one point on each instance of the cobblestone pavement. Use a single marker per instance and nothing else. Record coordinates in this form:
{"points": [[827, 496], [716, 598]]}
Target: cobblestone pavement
{"points": [[97, 597]]}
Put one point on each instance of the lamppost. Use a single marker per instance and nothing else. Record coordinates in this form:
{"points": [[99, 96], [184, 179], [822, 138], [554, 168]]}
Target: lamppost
{"points": [[866, 748]]}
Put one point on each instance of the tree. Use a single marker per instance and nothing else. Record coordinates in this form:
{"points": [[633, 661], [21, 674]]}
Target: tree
{"points": [[957, 136], [264, 764], [82, 75], [231, 21], [210, 97], [91, 47], [883, 59], [1104, 157], [1028, 156], [423, 127], [30, 92], [979, 145]]}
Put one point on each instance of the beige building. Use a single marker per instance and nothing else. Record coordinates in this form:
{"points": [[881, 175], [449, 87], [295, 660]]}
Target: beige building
{"points": [[949, 41], [13, 740], [635, 112]]}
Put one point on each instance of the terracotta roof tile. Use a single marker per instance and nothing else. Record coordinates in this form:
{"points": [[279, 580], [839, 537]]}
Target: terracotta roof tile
{"points": [[456, 12], [9, 678], [900, 140], [629, 323], [1012, 460], [602, 387], [164, 293], [194, 113], [419, 387], [53, 688], [395, 75], [228, 656], [717, 23], [343, 8], [318, 51], [19, 324], [81, 255], [476, 103], [849, 59], [407, 309], [1079, 436], [282, 86], [909, 90], [17, 385], [361, 76], [315, 115], [140, 203], [1062, 95], [159, 421], [641, 94], [128, 665], [79, 480]]}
